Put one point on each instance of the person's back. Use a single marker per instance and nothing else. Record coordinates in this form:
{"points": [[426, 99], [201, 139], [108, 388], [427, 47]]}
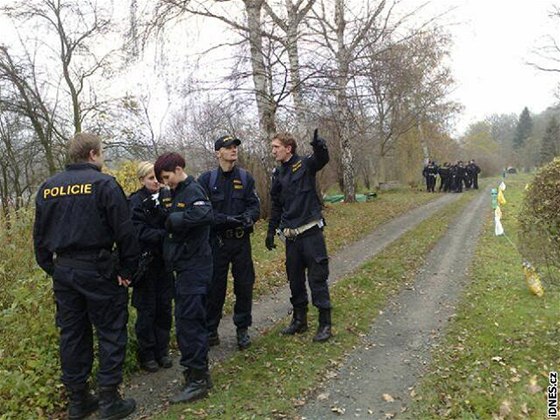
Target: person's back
{"points": [[80, 215]]}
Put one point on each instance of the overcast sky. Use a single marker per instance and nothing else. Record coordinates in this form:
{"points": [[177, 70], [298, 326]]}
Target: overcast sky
{"points": [[493, 41]]}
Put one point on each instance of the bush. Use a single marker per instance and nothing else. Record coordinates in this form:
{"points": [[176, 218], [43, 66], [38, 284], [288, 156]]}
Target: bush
{"points": [[540, 221]]}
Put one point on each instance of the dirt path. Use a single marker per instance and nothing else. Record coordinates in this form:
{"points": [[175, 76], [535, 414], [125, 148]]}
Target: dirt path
{"points": [[153, 391], [396, 351]]}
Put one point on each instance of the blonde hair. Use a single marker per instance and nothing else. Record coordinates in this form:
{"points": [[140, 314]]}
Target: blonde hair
{"points": [[144, 168]]}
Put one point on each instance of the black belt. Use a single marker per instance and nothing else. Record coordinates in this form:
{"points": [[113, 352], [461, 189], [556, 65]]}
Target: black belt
{"points": [[76, 263], [81, 259], [236, 233]]}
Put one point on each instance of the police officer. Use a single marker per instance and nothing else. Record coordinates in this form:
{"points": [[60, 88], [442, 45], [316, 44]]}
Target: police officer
{"points": [[296, 213], [474, 170], [152, 296], [236, 208], [81, 214], [460, 176], [430, 172], [187, 252], [444, 176]]}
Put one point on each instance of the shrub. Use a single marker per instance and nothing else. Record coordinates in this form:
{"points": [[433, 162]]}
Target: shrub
{"points": [[540, 221]]}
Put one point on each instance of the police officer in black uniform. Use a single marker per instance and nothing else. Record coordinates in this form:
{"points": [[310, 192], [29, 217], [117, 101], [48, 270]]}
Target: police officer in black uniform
{"points": [[444, 176], [474, 170], [153, 294], [296, 213], [81, 214], [430, 172], [187, 252], [236, 208]]}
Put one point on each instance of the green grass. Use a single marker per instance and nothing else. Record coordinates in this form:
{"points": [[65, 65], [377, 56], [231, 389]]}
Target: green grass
{"points": [[495, 359], [274, 377], [346, 223]]}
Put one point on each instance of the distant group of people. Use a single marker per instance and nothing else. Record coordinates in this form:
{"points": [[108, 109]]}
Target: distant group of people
{"points": [[173, 240], [453, 177]]}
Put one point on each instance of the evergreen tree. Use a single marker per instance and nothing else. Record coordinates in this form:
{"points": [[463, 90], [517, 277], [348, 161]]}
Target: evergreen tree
{"points": [[550, 146], [523, 130]]}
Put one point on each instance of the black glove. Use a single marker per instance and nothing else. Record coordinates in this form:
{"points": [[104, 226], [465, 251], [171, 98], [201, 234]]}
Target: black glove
{"points": [[318, 141], [149, 203], [247, 221], [269, 242], [234, 220]]}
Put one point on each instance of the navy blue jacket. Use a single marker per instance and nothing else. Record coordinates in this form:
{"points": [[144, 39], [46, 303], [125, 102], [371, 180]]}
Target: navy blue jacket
{"points": [[294, 198], [231, 195], [188, 226], [80, 210]]}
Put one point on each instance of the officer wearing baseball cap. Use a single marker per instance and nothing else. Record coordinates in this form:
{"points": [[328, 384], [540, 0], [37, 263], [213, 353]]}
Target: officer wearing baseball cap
{"points": [[236, 208]]}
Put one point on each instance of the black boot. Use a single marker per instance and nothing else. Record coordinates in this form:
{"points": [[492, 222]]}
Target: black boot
{"points": [[213, 338], [82, 403], [196, 387], [243, 339], [299, 322], [324, 330], [112, 406]]}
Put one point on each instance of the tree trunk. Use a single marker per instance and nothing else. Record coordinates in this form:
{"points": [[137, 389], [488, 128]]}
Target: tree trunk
{"points": [[265, 104], [347, 158]]}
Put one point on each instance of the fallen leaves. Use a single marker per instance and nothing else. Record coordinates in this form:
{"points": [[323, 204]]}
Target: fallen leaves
{"points": [[388, 398]]}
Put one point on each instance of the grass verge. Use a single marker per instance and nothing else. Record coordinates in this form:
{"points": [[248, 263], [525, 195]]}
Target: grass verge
{"points": [[273, 378], [504, 341]]}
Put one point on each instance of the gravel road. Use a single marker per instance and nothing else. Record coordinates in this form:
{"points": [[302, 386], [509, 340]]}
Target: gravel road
{"points": [[377, 379]]}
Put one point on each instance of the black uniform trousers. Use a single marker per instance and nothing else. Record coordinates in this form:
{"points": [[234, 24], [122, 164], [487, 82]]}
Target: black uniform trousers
{"points": [[191, 288], [308, 252], [85, 298], [152, 299], [236, 252], [430, 183]]}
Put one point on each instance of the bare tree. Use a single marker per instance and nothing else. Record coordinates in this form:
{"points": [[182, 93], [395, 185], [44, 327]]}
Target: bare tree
{"points": [[296, 12], [344, 41], [78, 26], [27, 100]]}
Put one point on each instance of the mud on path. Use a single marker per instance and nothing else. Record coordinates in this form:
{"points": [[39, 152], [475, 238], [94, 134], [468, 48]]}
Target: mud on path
{"points": [[376, 380], [152, 391]]}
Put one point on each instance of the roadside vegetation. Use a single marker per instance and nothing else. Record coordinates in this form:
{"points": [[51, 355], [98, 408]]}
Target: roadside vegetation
{"points": [[497, 354], [29, 364]]}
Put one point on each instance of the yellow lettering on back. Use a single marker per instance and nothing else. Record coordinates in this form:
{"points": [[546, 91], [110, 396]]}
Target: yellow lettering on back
{"points": [[74, 189]]}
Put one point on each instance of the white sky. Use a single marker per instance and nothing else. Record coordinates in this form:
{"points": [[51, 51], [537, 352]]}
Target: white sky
{"points": [[493, 41]]}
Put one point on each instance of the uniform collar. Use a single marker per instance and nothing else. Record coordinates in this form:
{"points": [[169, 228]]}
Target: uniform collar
{"points": [[291, 161], [82, 166], [184, 184]]}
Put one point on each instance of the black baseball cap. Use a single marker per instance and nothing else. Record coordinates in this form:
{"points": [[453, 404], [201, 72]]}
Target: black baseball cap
{"points": [[226, 141]]}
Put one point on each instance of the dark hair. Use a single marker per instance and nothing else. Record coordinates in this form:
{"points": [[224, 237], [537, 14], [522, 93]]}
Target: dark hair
{"points": [[81, 144], [168, 162], [287, 140]]}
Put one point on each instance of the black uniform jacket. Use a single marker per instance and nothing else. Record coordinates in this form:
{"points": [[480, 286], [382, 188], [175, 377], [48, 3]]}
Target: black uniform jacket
{"points": [[294, 199], [190, 215], [148, 221], [231, 196], [81, 210]]}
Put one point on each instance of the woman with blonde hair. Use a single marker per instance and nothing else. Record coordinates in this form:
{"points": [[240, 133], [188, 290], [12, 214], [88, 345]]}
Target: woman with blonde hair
{"points": [[152, 296]]}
